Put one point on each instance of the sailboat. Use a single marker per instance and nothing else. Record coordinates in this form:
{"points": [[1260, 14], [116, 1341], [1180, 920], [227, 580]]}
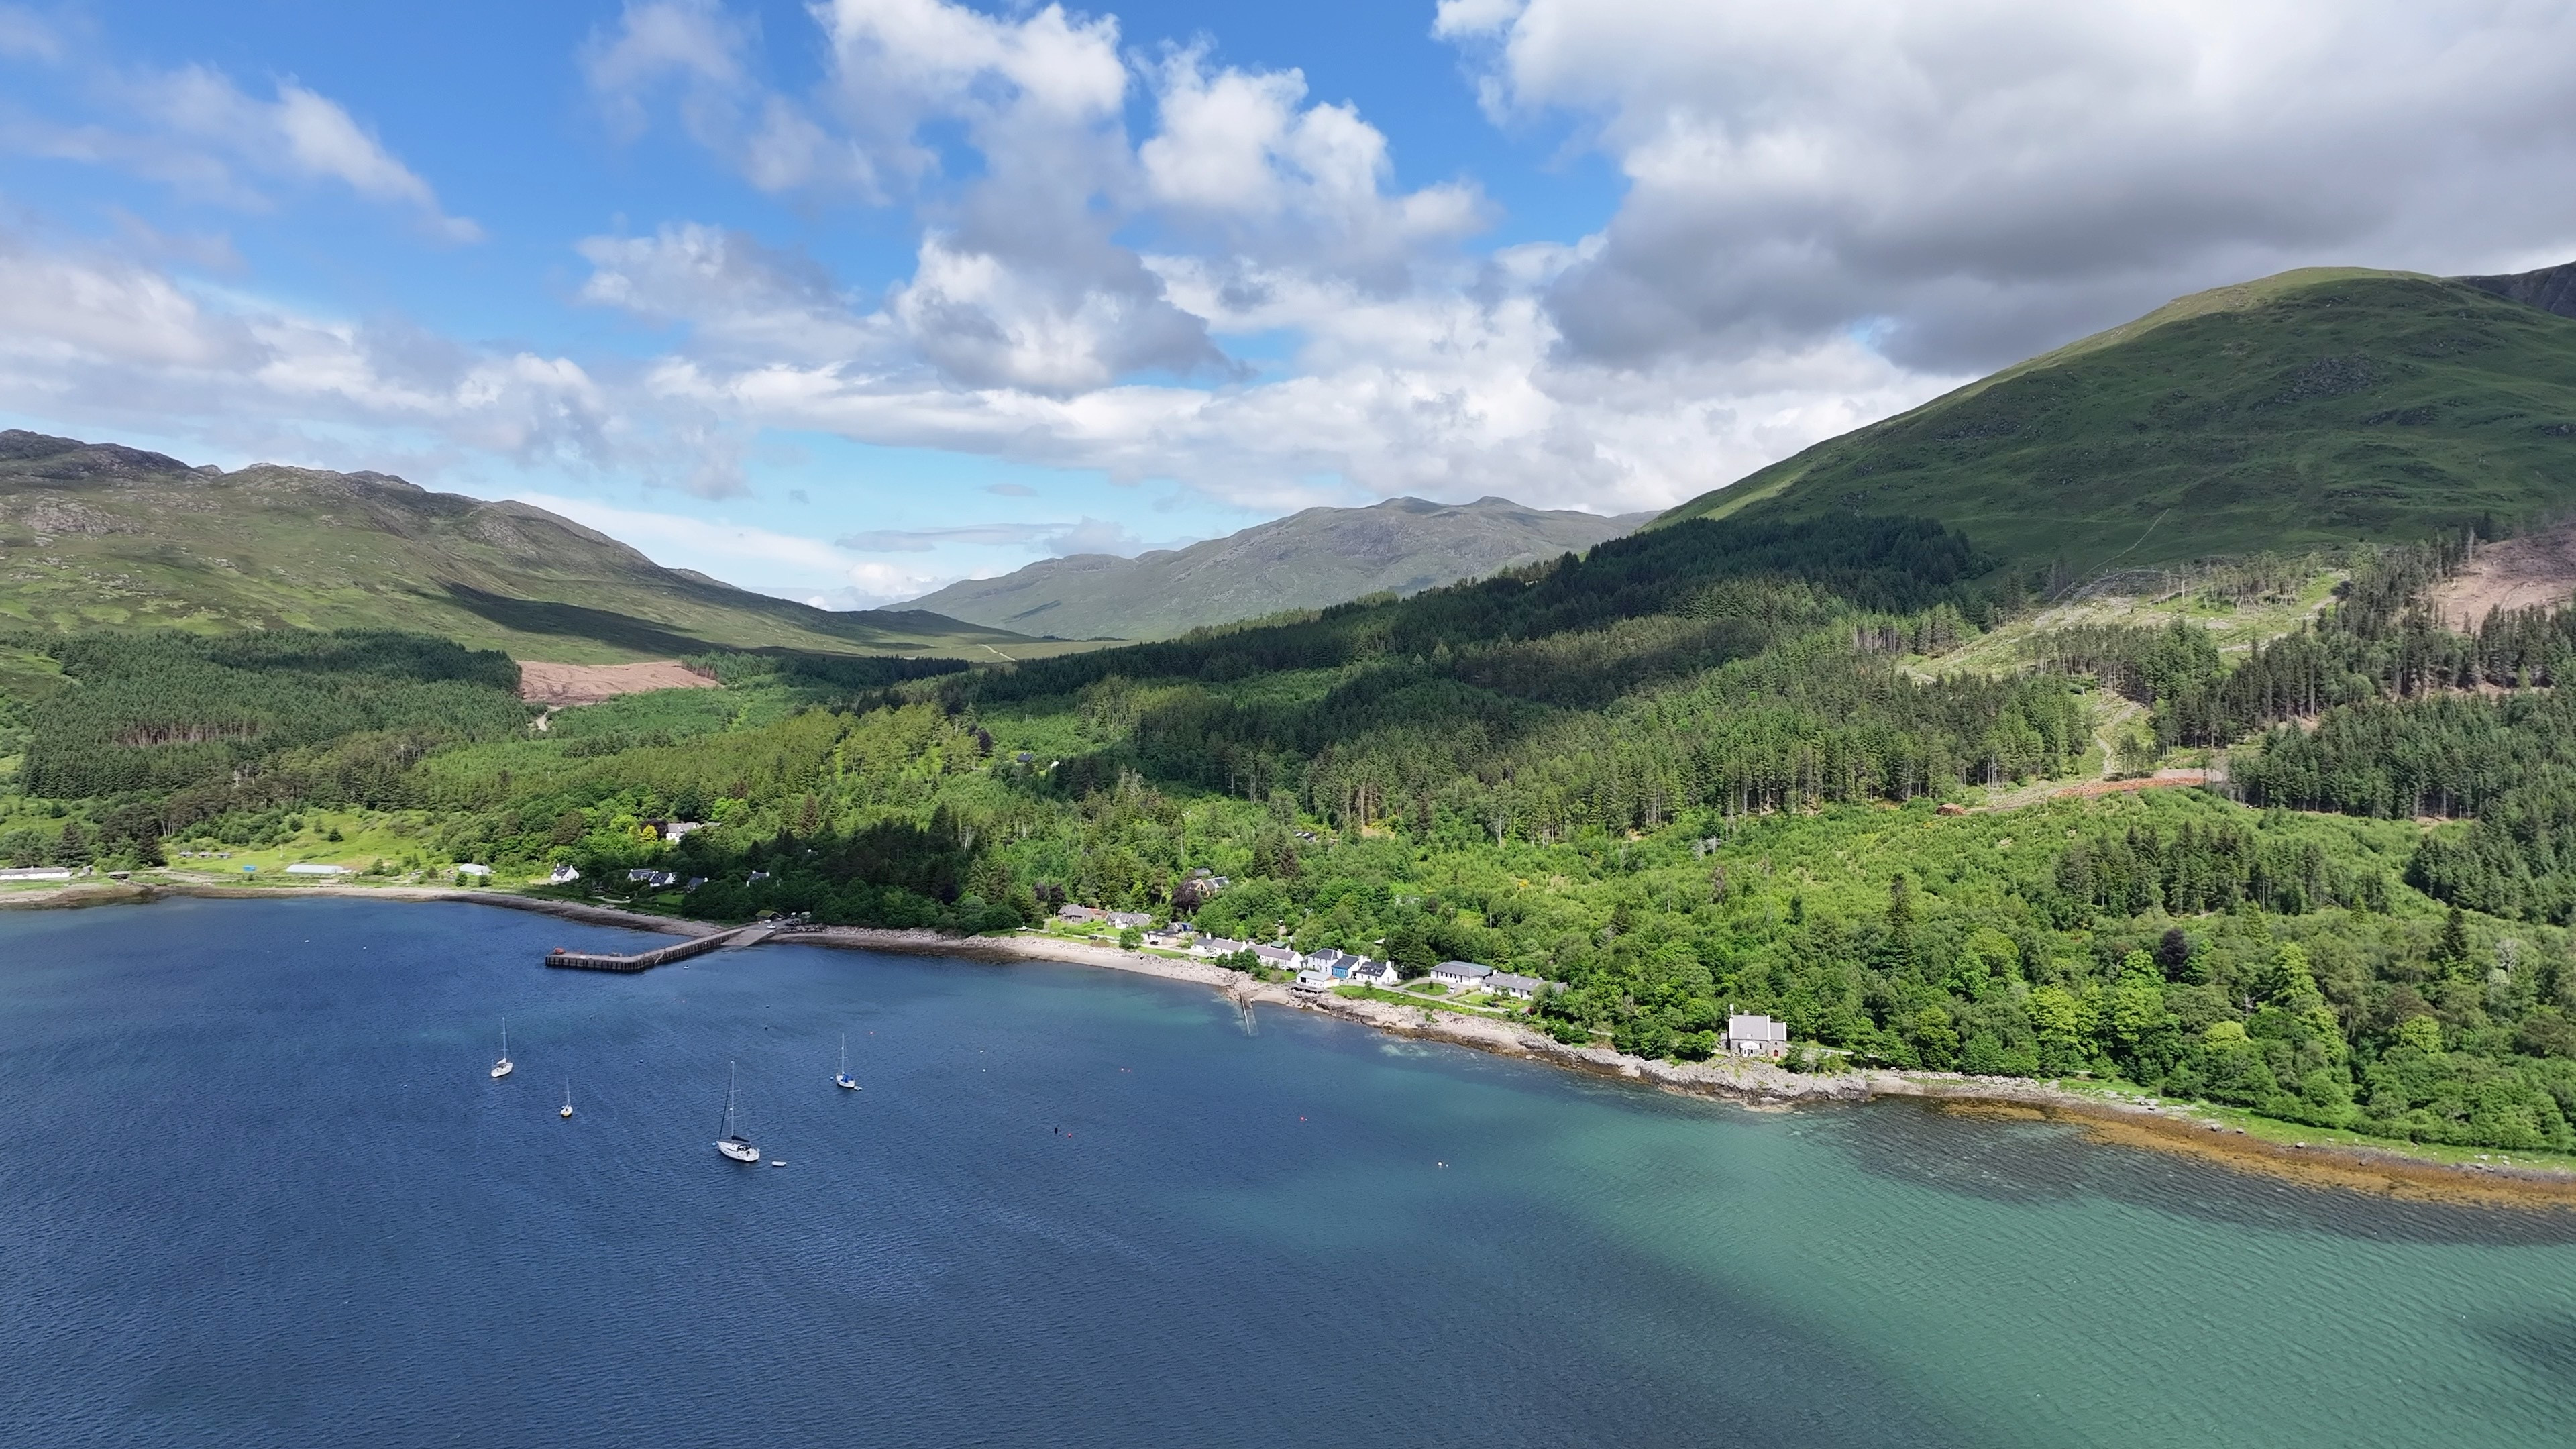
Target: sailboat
{"points": [[501, 1068], [842, 1080], [733, 1144], [567, 1106]]}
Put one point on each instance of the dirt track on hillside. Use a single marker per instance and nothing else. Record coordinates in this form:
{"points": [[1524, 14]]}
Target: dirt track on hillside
{"points": [[563, 684], [2518, 573]]}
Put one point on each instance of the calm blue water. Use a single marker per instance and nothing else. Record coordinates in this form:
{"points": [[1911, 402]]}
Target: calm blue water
{"points": [[261, 1191]]}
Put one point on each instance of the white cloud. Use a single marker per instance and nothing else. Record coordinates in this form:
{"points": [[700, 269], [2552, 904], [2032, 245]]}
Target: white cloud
{"points": [[1980, 178], [1280, 181], [300, 134], [688, 542], [699, 55], [737, 296], [1458, 19], [195, 130], [92, 338]]}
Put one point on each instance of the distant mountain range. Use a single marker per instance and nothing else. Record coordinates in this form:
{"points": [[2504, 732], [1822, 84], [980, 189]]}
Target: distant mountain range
{"points": [[1308, 560], [94, 534], [2308, 408]]}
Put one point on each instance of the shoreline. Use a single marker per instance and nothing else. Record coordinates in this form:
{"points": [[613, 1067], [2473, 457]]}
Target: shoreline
{"points": [[2174, 1128]]}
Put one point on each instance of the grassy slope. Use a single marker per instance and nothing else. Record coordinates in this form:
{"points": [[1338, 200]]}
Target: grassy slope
{"points": [[103, 536], [2309, 408]]}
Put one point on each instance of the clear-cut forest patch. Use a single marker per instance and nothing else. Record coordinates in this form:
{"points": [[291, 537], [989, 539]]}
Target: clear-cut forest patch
{"points": [[565, 684]]}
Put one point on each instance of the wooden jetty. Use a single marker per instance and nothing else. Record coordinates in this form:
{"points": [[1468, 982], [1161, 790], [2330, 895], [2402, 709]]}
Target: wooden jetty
{"points": [[647, 960]]}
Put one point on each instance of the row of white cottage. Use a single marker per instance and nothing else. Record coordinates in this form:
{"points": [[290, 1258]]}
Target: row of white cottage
{"points": [[1314, 968], [1747, 1034]]}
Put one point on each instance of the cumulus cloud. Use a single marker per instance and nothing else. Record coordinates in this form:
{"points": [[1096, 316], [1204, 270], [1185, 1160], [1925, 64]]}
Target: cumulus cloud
{"points": [[1977, 180], [89, 336], [737, 296], [1275, 179]]}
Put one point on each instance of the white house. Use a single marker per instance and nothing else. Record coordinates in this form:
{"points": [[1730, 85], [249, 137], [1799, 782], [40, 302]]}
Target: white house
{"points": [[1757, 1036], [1504, 983], [1376, 973], [1462, 975], [1343, 965], [1218, 946], [37, 872], [1279, 957], [1081, 913], [563, 875]]}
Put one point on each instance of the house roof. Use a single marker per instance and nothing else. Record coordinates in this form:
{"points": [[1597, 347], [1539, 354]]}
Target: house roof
{"points": [[1507, 981], [1756, 1028], [1468, 969]]}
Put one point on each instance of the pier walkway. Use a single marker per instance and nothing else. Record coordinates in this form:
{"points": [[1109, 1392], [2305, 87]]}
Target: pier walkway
{"points": [[751, 935]]}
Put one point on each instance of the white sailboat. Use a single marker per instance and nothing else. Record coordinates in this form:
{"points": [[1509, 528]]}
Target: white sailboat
{"points": [[501, 1068], [842, 1078], [567, 1106], [733, 1144]]}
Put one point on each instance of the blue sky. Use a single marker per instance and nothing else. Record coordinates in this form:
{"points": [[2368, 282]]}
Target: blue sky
{"points": [[848, 299]]}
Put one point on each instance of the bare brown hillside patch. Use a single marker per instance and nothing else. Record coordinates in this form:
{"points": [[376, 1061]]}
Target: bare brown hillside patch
{"points": [[2519, 573], [563, 684]]}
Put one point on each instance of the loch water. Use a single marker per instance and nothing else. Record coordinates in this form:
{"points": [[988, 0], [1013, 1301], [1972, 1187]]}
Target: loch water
{"points": [[258, 1189]]}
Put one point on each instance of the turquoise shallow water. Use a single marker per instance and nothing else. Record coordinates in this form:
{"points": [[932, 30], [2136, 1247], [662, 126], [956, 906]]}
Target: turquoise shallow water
{"points": [[262, 1192]]}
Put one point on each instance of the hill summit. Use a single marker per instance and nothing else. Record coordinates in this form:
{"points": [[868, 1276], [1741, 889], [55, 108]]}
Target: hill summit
{"points": [[2314, 407], [98, 534], [1308, 560]]}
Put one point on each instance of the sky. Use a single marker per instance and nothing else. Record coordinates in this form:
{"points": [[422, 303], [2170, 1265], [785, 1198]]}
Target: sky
{"points": [[849, 299]]}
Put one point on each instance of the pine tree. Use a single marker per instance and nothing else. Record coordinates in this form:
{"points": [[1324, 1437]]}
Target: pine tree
{"points": [[2452, 950], [1900, 920]]}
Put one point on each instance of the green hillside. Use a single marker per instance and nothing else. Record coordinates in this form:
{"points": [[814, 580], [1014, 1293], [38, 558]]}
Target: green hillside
{"points": [[95, 535], [2310, 408], [1309, 560]]}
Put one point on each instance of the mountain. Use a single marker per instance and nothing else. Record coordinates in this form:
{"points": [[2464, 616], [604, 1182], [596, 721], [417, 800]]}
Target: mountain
{"points": [[94, 534], [2551, 289], [2308, 408], [1307, 560]]}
